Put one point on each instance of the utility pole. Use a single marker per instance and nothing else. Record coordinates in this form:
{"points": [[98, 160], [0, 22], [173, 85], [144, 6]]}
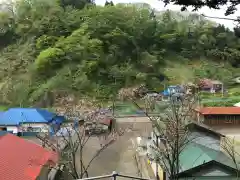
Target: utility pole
{"points": [[113, 98], [222, 90]]}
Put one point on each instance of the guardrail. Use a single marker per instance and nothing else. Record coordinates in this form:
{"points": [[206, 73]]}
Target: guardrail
{"points": [[136, 115], [114, 176]]}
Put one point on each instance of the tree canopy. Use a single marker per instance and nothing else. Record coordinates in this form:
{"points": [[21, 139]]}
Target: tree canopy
{"points": [[231, 5], [89, 50]]}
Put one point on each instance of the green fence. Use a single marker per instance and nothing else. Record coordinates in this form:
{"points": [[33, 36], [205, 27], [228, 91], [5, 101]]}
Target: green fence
{"points": [[130, 109]]}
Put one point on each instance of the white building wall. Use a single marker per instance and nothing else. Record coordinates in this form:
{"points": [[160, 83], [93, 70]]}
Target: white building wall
{"points": [[37, 127], [12, 128], [41, 127]]}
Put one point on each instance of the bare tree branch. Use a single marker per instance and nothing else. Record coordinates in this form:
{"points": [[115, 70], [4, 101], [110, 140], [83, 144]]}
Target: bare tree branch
{"points": [[72, 140], [171, 126]]}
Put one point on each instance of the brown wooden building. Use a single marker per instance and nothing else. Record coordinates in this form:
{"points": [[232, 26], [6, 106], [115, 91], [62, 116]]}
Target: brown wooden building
{"points": [[219, 116]]}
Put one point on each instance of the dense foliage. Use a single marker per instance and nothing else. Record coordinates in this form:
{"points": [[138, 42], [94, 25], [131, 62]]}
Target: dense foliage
{"points": [[81, 48]]}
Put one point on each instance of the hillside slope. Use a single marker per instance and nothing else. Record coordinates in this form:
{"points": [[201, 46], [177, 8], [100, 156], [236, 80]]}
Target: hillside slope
{"points": [[93, 51]]}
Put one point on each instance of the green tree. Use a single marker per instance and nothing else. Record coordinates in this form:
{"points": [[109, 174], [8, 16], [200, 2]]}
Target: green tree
{"points": [[82, 49]]}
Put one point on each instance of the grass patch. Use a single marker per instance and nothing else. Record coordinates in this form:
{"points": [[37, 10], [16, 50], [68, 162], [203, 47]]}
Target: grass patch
{"points": [[128, 108], [3, 108], [179, 73]]}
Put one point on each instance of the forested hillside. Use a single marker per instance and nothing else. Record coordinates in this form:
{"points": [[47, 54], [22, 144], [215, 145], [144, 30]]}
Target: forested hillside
{"points": [[88, 50]]}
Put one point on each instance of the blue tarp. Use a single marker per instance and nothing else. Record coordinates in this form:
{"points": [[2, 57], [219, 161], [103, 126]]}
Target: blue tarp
{"points": [[65, 131], [165, 93], [58, 119], [171, 89], [16, 116]]}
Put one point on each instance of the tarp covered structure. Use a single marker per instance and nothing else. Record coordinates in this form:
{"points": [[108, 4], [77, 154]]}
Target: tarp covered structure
{"points": [[16, 116]]}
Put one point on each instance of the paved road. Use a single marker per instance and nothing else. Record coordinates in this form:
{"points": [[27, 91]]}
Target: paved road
{"points": [[117, 157], [120, 156]]}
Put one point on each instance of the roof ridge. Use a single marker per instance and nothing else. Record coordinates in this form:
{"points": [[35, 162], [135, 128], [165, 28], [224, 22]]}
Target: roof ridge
{"points": [[219, 157], [206, 127], [40, 111]]}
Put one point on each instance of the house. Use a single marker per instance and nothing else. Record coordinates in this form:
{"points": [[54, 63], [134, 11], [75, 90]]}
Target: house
{"points": [[202, 142], [23, 160], [29, 121], [223, 119], [204, 135], [201, 162], [210, 85]]}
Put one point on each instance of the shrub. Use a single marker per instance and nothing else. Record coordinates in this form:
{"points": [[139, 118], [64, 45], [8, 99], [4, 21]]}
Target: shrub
{"points": [[49, 59], [44, 42]]}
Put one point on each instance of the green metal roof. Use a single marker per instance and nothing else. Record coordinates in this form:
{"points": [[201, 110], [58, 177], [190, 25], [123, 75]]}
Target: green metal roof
{"points": [[195, 155]]}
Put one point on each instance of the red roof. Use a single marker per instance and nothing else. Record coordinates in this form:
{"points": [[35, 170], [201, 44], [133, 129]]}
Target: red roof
{"points": [[21, 159], [220, 110]]}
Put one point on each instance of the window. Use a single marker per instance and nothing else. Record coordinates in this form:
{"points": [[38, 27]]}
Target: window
{"points": [[30, 129], [33, 129], [228, 121]]}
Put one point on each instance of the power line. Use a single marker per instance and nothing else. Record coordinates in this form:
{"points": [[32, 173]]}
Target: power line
{"points": [[213, 17]]}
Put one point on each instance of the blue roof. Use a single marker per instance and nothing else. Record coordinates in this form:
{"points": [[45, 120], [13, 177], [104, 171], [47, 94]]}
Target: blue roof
{"points": [[16, 116]]}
